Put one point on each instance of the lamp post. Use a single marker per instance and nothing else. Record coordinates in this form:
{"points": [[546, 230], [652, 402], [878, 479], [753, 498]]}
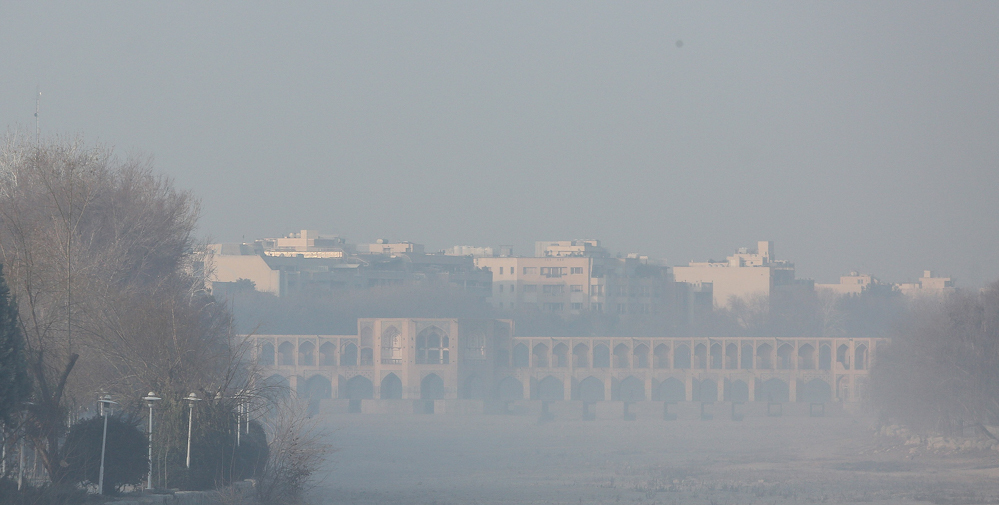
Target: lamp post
{"points": [[239, 417], [105, 402], [150, 399], [191, 400]]}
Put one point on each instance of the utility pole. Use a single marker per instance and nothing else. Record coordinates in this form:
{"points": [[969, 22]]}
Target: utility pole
{"points": [[38, 98]]}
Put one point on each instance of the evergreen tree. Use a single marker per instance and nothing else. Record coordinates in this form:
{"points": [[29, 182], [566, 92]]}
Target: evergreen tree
{"points": [[15, 383]]}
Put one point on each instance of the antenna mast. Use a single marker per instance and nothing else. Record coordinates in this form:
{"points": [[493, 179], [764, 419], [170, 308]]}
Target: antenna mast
{"points": [[38, 98]]}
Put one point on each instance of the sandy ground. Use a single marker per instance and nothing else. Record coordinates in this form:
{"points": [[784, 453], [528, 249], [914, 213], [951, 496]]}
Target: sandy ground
{"points": [[495, 459]]}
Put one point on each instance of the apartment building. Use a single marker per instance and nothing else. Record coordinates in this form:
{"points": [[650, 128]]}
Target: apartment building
{"points": [[308, 261], [745, 274], [928, 284], [571, 277]]}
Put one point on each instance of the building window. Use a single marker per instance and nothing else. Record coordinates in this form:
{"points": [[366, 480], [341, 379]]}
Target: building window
{"points": [[553, 307], [577, 306], [475, 346], [552, 271], [512, 286], [530, 288], [501, 270], [576, 288], [596, 307], [553, 289], [530, 270], [576, 270], [596, 290], [432, 347]]}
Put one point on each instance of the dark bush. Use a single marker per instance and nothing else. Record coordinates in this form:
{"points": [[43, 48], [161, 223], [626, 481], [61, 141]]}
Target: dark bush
{"points": [[215, 458], [125, 460], [44, 495]]}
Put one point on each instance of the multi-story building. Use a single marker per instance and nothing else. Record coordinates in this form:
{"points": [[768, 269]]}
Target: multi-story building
{"points": [[391, 361], [853, 284], [476, 251], [308, 261], [744, 275], [570, 277], [928, 285]]}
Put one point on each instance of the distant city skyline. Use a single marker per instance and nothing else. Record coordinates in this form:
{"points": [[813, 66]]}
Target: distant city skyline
{"points": [[498, 250], [856, 136]]}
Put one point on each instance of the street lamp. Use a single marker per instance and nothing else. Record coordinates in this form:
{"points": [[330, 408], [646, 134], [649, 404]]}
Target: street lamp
{"points": [[239, 417], [151, 399], [191, 400], [105, 402]]}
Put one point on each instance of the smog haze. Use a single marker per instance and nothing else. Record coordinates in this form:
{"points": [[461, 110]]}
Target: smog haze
{"points": [[857, 136]]}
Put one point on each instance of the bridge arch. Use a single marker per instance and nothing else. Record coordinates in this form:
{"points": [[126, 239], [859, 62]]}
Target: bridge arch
{"points": [[306, 354], [327, 354], [705, 390], [601, 356], [265, 354], [764, 356], [510, 389], [581, 356], [630, 390], [551, 389], [731, 356], [621, 358], [432, 387], [358, 387], [671, 390], [716, 356], [590, 389], [700, 356], [521, 356], [785, 355], [746, 363], [560, 355], [660, 356], [737, 391], [316, 387], [817, 391], [860, 357], [774, 390], [641, 356], [681, 357], [540, 352], [391, 387], [825, 357], [286, 354], [806, 357], [349, 355]]}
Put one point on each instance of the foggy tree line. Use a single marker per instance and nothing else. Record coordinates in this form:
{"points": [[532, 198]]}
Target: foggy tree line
{"points": [[101, 259], [941, 369]]}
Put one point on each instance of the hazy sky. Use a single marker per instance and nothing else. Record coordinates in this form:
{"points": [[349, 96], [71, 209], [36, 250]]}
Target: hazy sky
{"points": [[858, 136]]}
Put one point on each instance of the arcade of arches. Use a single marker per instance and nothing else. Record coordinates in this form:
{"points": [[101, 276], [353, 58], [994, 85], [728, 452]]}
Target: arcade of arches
{"points": [[441, 359]]}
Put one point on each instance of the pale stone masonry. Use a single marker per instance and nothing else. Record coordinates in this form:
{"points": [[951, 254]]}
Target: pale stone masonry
{"points": [[481, 360]]}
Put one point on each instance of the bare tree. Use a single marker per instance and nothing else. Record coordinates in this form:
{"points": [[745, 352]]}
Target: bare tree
{"points": [[90, 241], [942, 365], [297, 448]]}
